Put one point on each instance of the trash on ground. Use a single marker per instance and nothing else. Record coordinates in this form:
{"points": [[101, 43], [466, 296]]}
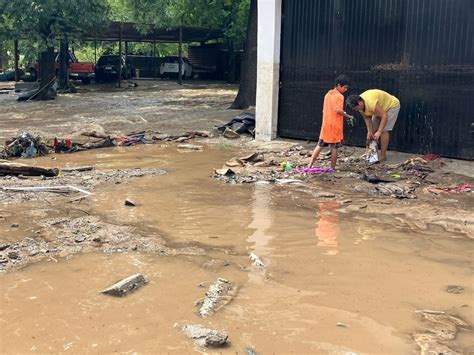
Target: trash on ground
{"points": [[230, 134], [218, 294], [435, 189], [242, 123], [313, 170], [455, 289], [124, 287], [24, 146], [256, 260], [205, 337]]}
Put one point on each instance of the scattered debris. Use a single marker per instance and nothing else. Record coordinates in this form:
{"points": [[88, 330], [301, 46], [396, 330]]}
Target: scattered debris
{"points": [[124, 287], [230, 134], [218, 294], [205, 337], [434, 189], [15, 169], [441, 328], [242, 123], [455, 289], [342, 325], [249, 351], [130, 202], [256, 260], [54, 189], [24, 146], [189, 147], [78, 169], [313, 170]]}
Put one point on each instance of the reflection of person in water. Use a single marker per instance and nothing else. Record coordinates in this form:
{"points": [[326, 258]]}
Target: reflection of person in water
{"points": [[327, 227]]}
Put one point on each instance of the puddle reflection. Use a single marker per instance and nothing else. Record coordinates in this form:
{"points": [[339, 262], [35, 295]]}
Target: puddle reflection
{"points": [[262, 221], [327, 227]]}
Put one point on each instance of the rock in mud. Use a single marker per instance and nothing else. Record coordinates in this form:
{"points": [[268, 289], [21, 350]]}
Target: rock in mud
{"points": [[256, 260], [189, 147], [124, 287], [218, 294], [204, 336], [130, 202], [455, 289], [4, 246], [324, 194]]}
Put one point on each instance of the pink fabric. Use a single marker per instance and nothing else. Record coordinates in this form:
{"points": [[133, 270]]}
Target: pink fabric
{"points": [[313, 170]]}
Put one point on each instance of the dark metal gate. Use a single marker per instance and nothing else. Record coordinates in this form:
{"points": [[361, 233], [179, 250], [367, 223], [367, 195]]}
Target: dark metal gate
{"points": [[422, 51]]}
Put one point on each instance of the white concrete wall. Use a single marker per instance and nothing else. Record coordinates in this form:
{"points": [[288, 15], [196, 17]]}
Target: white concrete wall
{"points": [[268, 69]]}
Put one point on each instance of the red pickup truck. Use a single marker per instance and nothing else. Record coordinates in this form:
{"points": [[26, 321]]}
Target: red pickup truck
{"points": [[77, 70]]}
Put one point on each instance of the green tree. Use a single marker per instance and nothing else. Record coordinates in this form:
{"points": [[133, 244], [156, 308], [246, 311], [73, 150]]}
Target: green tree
{"points": [[48, 21]]}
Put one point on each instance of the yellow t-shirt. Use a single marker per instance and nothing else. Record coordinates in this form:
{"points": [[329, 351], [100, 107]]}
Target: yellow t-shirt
{"points": [[375, 96]]}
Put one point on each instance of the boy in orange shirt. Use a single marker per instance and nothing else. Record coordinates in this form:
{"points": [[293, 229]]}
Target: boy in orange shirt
{"points": [[332, 129]]}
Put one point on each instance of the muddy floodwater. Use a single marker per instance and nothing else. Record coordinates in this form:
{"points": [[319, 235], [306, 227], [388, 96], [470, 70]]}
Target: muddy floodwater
{"points": [[333, 282]]}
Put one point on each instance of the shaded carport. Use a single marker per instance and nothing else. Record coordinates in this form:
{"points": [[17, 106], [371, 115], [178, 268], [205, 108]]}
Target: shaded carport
{"points": [[128, 32]]}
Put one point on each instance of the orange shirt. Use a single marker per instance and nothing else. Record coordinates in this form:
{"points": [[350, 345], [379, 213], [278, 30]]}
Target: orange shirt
{"points": [[332, 129]]}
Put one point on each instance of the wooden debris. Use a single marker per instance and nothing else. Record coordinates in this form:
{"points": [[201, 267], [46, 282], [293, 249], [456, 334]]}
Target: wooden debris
{"points": [[20, 169], [79, 168], [123, 287], [55, 189]]}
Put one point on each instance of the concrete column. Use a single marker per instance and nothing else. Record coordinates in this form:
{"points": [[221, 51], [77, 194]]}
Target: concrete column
{"points": [[268, 69]]}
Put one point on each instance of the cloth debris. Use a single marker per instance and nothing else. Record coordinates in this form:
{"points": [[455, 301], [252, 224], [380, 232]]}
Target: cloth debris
{"points": [[242, 123], [449, 189], [313, 170]]}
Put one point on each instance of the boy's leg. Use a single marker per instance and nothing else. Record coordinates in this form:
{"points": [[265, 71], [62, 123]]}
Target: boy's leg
{"points": [[333, 157], [315, 154]]}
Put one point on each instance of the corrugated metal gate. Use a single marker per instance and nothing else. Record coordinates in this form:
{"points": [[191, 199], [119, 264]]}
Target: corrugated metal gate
{"points": [[422, 51]]}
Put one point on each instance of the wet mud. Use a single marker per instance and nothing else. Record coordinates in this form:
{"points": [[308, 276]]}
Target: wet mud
{"points": [[332, 280], [312, 267]]}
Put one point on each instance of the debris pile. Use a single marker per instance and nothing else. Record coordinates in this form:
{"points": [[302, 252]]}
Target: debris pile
{"points": [[24, 146]]}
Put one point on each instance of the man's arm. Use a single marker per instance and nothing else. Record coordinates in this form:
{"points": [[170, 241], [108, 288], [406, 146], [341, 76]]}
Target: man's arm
{"points": [[368, 124], [380, 112]]}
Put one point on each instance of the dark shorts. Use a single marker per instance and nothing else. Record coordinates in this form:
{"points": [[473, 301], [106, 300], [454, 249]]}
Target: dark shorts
{"points": [[322, 143]]}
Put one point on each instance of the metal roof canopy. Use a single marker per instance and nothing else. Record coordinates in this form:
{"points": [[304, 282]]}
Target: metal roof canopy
{"points": [[129, 33]]}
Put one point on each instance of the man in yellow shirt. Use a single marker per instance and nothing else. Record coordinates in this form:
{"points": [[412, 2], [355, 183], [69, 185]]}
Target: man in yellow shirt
{"points": [[380, 111]]}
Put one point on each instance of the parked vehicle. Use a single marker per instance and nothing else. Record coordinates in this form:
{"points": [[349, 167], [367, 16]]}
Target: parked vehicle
{"points": [[77, 70], [170, 67], [142, 66], [107, 68]]}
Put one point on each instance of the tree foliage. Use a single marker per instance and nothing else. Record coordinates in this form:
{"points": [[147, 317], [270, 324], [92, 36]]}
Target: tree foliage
{"points": [[228, 15], [44, 21]]}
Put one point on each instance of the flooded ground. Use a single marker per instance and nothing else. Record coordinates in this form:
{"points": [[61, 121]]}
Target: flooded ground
{"points": [[335, 281]]}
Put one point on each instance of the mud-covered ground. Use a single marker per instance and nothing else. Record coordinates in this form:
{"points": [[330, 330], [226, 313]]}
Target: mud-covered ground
{"points": [[344, 265]]}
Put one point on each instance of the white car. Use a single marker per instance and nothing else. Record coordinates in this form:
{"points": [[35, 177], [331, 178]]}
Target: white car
{"points": [[170, 67]]}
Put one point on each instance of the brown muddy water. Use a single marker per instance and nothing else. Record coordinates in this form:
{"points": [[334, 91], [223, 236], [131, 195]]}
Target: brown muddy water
{"points": [[334, 283]]}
